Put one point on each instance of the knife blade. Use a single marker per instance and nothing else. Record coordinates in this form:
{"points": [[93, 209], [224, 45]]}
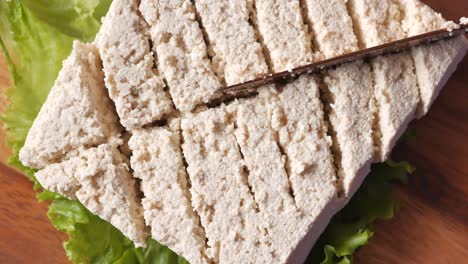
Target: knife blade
{"points": [[387, 48]]}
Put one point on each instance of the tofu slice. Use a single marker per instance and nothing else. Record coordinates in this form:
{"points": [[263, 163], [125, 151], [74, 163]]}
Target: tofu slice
{"points": [[267, 176], [181, 52], [350, 108], [284, 33], [332, 26], [396, 89], [134, 86], [167, 200], [220, 190], [77, 113], [100, 179], [302, 134], [434, 63], [348, 94], [236, 55]]}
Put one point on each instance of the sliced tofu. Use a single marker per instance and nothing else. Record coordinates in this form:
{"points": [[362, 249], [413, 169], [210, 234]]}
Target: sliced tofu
{"points": [[332, 27], [167, 200], [181, 52], [284, 33], [350, 110], [100, 179], [268, 178], [302, 134], [434, 63], [396, 89], [348, 94], [220, 189], [133, 84], [77, 113], [236, 54]]}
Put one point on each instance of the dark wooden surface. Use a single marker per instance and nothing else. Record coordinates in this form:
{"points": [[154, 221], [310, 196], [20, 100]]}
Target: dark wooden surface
{"points": [[431, 227]]}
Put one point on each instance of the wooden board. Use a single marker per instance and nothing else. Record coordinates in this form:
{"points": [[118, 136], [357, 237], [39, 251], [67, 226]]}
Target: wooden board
{"points": [[431, 227]]}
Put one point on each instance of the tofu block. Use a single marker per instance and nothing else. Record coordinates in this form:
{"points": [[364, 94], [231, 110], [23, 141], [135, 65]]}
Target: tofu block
{"points": [[77, 113], [397, 99], [376, 22], [236, 54], [100, 179], [167, 200], [181, 52], [396, 89], [435, 62], [134, 86], [267, 176], [302, 134], [220, 190], [350, 110], [332, 27], [284, 33]]}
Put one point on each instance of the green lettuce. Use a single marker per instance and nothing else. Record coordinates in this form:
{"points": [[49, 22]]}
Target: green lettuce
{"points": [[36, 36]]}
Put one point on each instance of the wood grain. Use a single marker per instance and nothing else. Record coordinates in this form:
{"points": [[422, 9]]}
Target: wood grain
{"points": [[431, 227]]}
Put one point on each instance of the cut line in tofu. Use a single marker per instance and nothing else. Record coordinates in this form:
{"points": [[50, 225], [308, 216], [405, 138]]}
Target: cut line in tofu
{"points": [[157, 161], [133, 83], [435, 62], [268, 177], [100, 179], [283, 33], [237, 56], [302, 134], [350, 108], [220, 190], [396, 89], [77, 113], [331, 25], [181, 52]]}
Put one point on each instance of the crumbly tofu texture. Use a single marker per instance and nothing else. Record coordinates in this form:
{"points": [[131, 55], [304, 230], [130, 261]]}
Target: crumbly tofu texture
{"points": [[157, 161], [181, 52], [396, 89], [332, 27], [284, 33], [134, 86], [267, 176], [100, 179], [351, 114], [302, 134], [220, 190], [237, 56], [434, 63], [77, 113]]}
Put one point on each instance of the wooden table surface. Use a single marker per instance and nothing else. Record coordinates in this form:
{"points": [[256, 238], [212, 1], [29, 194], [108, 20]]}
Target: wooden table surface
{"points": [[431, 227]]}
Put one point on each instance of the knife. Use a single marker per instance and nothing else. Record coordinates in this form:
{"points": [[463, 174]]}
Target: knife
{"points": [[391, 47]]}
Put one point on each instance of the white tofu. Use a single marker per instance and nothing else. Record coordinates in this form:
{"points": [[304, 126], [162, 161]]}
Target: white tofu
{"points": [[100, 179], [284, 33], [351, 115], [267, 176], [302, 134], [157, 161], [434, 63], [332, 27], [348, 93], [396, 90], [220, 190], [77, 113], [236, 54], [181, 52], [397, 99], [134, 86]]}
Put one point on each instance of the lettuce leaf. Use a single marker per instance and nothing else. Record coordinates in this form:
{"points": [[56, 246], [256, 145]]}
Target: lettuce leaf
{"points": [[36, 36]]}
